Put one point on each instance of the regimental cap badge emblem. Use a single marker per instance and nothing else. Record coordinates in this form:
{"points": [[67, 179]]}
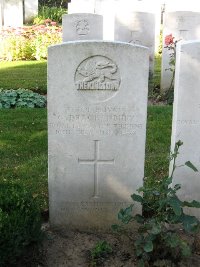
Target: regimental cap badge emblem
{"points": [[97, 73], [82, 27]]}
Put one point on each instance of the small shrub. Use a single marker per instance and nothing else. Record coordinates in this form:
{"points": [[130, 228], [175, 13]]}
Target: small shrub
{"points": [[20, 222], [21, 98], [100, 252], [158, 239]]}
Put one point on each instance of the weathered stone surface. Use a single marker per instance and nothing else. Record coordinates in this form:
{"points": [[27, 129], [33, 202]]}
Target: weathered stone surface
{"points": [[82, 27], [13, 13], [183, 25], [186, 120], [97, 101], [136, 28]]}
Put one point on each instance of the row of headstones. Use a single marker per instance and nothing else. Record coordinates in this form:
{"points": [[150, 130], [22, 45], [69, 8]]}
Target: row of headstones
{"points": [[97, 106], [125, 24], [138, 29], [16, 12]]}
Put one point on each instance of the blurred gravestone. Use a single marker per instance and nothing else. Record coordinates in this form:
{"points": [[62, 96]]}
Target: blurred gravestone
{"points": [[82, 26], [183, 25], [186, 120], [13, 13]]}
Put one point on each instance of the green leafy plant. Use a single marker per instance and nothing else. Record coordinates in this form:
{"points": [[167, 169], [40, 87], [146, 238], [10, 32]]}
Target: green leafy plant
{"points": [[21, 98], [20, 222], [158, 238], [54, 13], [100, 252]]}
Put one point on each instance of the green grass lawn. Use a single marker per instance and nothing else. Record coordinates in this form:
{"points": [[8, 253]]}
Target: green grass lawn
{"points": [[23, 147], [24, 74]]}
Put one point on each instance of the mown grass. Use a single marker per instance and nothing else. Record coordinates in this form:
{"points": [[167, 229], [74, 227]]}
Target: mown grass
{"points": [[23, 147], [24, 74]]}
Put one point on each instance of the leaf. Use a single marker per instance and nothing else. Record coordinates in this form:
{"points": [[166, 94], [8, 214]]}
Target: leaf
{"points": [[173, 240], [148, 246], [185, 249], [176, 205], [190, 223], [191, 166], [139, 218], [137, 198], [156, 229], [125, 214], [193, 204]]}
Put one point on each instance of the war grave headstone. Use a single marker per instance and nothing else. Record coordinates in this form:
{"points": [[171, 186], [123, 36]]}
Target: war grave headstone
{"points": [[186, 120], [106, 8], [136, 28], [30, 10], [81, 6], [96, 131], [180, 5], [183, 25], [82, 26], [13, 13]]}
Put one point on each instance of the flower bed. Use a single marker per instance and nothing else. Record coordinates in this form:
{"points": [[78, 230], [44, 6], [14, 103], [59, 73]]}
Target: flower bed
{"points": [[29, 42]]}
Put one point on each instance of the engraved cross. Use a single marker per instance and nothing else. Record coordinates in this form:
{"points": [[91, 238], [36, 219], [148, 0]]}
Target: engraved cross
{"points": [[95, 162]]}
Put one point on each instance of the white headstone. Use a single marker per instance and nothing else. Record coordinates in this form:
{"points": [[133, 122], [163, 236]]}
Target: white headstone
{"points": [[97, 125], [180, 5], [186, 120], [81, 6], [82, 26], [13, 13], [30, 10], [106, 8], [183, 25], [136, 28]]}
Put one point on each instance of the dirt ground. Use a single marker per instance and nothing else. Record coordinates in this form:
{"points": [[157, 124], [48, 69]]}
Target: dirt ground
{"points": [[72, 249]]}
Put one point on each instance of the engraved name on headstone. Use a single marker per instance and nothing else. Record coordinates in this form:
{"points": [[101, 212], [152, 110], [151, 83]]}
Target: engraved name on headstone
{"points": [[96, 130]]}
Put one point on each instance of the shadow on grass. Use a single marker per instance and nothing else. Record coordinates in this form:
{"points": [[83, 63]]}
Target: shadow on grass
{"points": [[24, 74]]}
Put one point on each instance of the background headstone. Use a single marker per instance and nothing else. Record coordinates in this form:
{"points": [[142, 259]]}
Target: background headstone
{"points": [[180, 5], [81, 6], [30, 10], [183, 25], [186, 120], [136, 28], [13, 13], [97, 129], [82, 27]]}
